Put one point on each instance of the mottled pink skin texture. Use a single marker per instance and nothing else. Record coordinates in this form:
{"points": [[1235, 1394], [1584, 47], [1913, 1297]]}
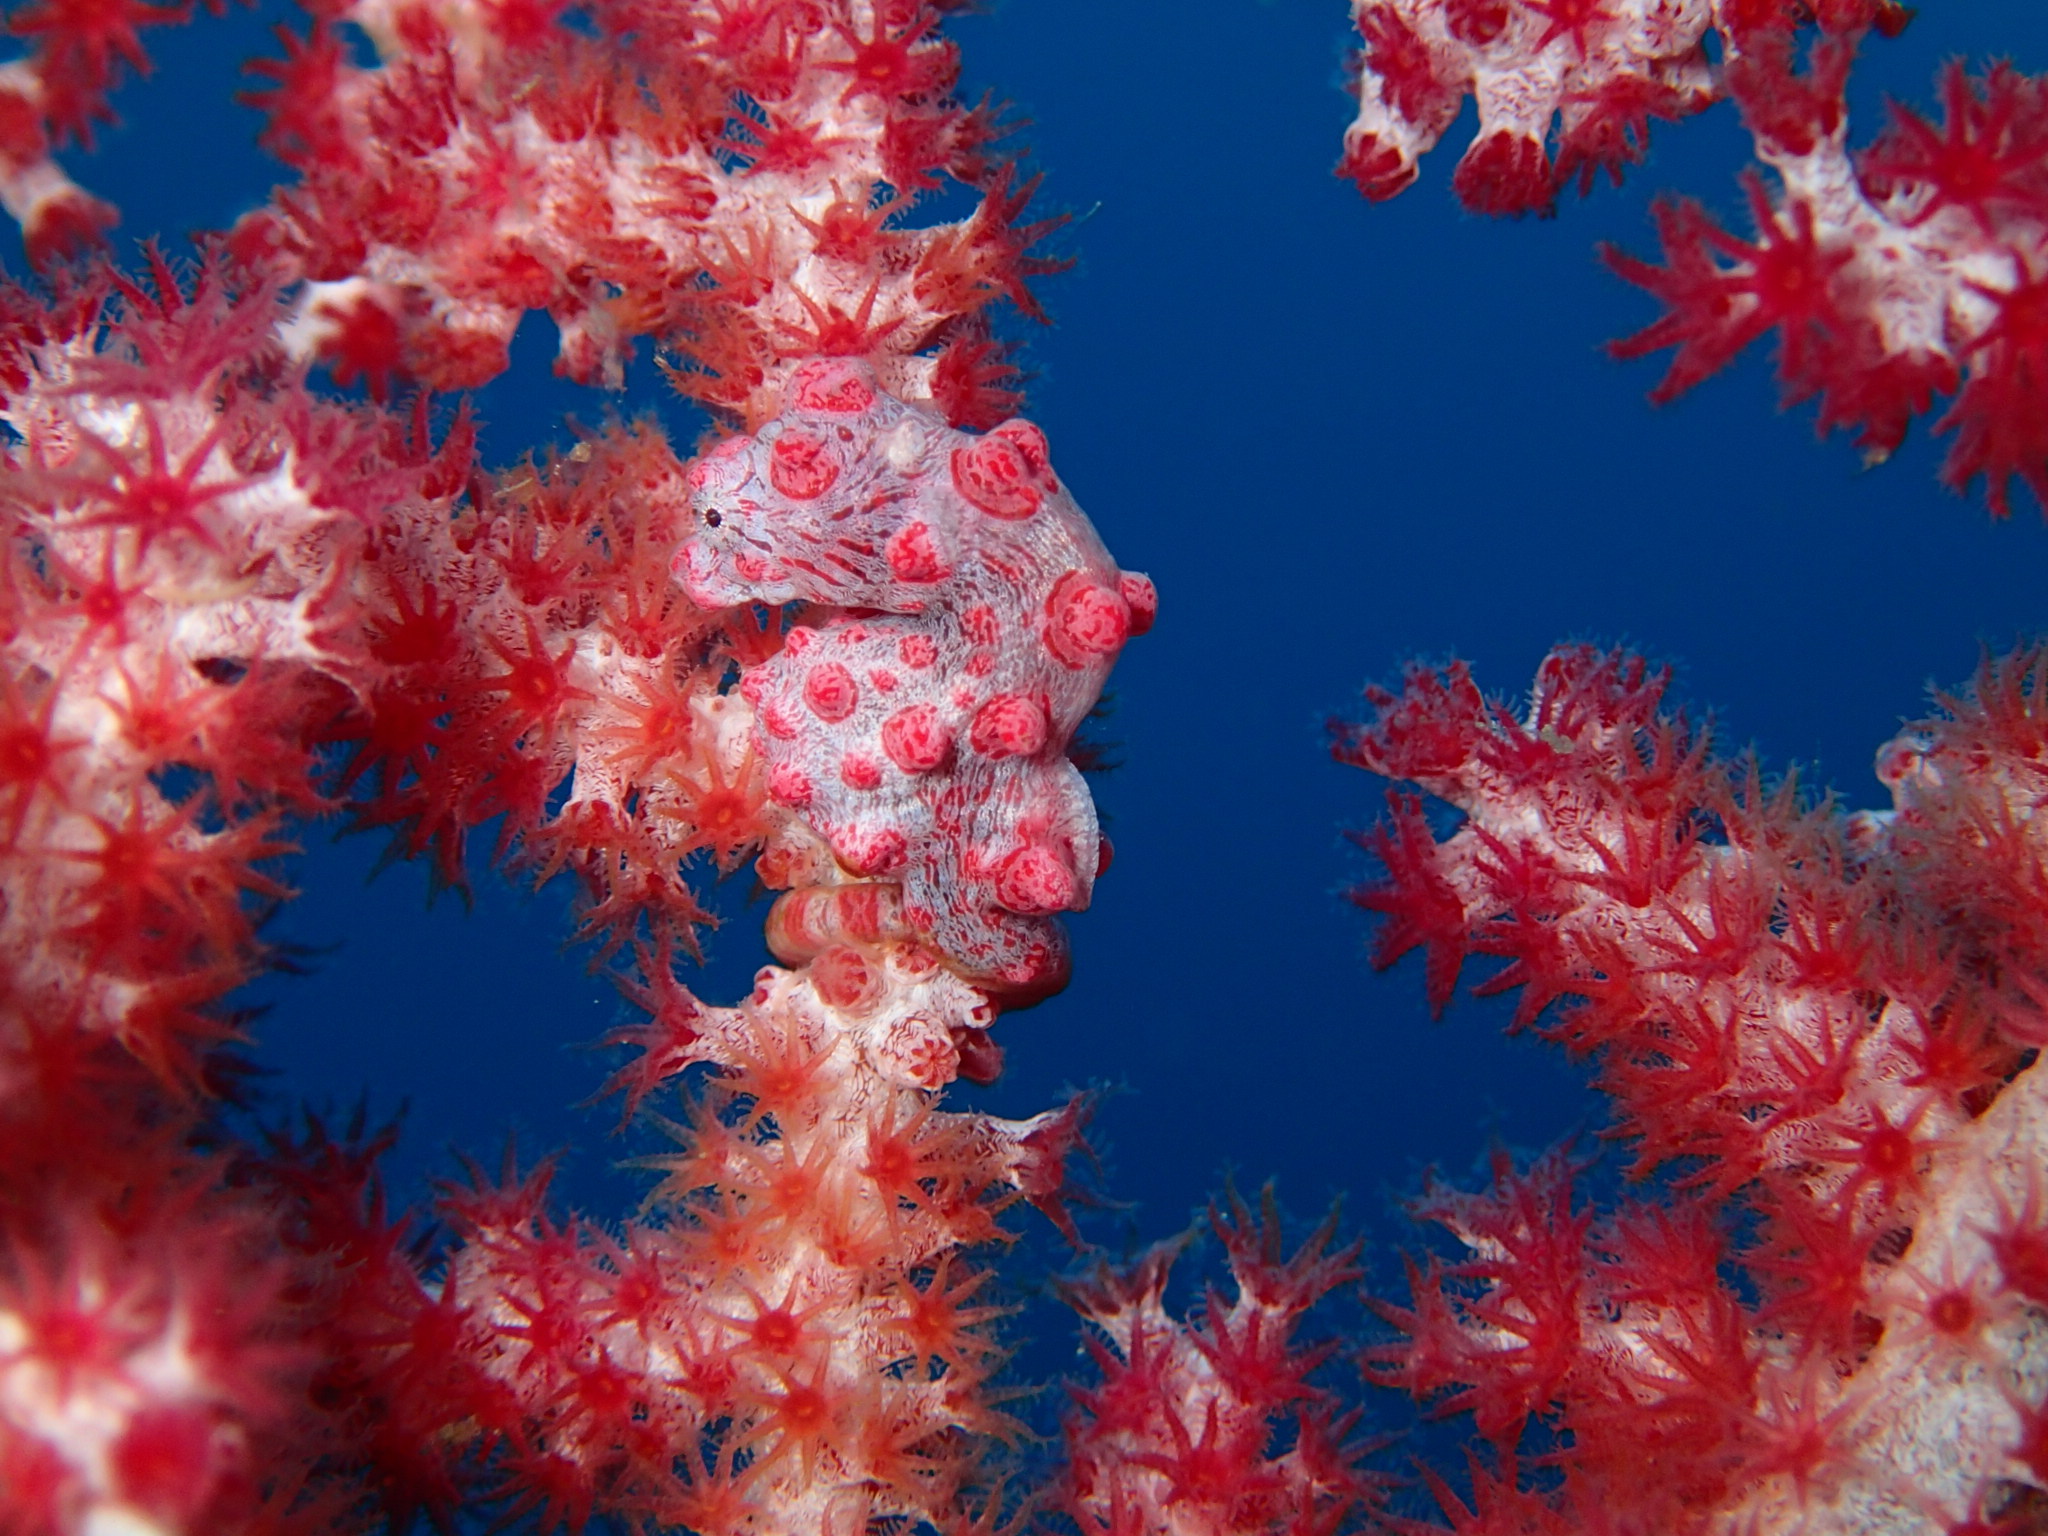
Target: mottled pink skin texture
{"points": [[966, 615]]}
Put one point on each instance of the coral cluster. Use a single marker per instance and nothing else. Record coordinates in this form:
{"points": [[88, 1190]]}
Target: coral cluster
{"points": [[231, 604], [1565, 89], [178, 519], [796, 1345], [1890, 275], [1823, 1308], [1819, 1038], [733, 180], [1214, 1424]]}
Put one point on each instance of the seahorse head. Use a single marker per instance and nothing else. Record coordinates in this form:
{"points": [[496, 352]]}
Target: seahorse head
{"points": [[827, 503]]}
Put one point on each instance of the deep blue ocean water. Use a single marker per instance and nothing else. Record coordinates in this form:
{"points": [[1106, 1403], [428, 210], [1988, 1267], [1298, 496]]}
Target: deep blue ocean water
{"points": [[1338, 436]]}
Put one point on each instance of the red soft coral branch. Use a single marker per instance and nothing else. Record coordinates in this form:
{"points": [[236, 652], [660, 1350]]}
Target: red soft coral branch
{"points": [[1888, 277], [1818, 1032], [231, 601], [1214, 1425], [1864, 266]]}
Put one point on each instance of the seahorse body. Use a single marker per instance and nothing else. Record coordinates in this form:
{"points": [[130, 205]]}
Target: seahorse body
{"points": [[918, 719]]}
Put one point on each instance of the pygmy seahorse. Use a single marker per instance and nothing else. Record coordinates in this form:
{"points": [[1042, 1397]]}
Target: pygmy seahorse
{"points": [[964, 616]]}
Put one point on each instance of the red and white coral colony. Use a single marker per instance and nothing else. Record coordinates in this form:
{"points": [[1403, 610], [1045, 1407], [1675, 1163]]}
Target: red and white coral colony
{"points": [[1911, 268], [229, 600], [1818, 1032]]}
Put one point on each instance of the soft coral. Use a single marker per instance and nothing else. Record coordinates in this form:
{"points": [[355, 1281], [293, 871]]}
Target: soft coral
{"points": [[1497, 1333], [1832, 1101]]}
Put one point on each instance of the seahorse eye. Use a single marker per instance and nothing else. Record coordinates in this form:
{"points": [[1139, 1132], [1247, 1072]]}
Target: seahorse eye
{"points": [[713, 517]]}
